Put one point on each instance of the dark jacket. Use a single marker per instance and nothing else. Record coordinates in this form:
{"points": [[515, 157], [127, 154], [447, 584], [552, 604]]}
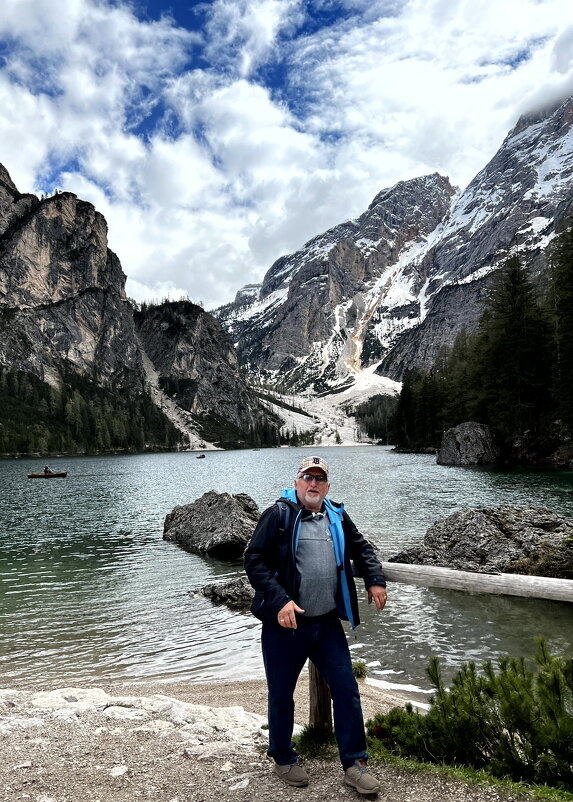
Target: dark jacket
{"points": [[270, 563]]}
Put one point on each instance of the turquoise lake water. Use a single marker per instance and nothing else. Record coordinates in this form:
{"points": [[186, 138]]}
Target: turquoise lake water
{"points": [[90, 591]]}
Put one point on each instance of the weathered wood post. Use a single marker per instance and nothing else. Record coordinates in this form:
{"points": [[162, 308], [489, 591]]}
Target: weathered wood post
{"points": [[320, 712]]}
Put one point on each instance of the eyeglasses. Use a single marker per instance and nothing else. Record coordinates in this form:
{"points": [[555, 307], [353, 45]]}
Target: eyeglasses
{"points": [[310, 477]]}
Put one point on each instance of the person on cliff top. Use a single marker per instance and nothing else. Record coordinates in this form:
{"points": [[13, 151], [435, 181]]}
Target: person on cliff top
{"points": [[299, 563]]}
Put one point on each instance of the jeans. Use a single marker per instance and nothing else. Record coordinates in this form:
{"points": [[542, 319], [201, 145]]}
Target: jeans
{"points": [[285, 652]]}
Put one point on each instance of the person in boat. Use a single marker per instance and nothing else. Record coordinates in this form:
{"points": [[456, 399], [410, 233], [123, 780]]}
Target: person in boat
{"points": [[47, 469], [299, 563]]}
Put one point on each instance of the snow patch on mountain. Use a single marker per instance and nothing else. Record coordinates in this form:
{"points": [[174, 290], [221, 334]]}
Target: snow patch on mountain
{"points": [[328, 417], [261, 308]]}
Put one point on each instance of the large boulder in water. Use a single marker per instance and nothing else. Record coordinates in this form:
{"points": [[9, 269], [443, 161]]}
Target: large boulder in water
{"points": [[217, 524], [468, 444], [523, 540]]}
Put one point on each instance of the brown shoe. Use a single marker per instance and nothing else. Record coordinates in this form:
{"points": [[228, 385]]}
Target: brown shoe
{"points": [[292, 774], [360, 778]]}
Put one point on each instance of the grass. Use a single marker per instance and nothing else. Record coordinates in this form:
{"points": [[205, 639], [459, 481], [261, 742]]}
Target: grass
{"points": [[312, 745], [359, 669], [466, 774]]}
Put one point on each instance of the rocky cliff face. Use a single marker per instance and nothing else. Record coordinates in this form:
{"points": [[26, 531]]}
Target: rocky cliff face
{"points": [[63, 306], [515, 203], [196, 362], [408, 274], [62, 296], [311, 319]]}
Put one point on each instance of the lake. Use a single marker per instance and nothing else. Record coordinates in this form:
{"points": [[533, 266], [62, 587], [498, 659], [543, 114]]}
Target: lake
{"points": [[90, 592]]}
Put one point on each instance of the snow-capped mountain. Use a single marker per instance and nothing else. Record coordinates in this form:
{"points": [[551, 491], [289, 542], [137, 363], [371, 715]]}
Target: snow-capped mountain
{"points": [[309, 318], [393, 285]]}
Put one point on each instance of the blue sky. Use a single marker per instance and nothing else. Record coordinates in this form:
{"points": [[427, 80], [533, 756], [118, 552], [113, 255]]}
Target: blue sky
{"points": [[217, 136]]}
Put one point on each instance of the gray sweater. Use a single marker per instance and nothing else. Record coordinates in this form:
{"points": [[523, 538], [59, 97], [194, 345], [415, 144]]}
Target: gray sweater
{"points": [[316, 564]]}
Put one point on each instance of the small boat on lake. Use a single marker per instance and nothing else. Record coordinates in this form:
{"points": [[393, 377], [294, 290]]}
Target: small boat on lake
{"points": [[54, 475], [201, 456]]}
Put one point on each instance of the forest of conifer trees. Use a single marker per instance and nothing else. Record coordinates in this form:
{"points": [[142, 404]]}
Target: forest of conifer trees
{"points": [[83, 418], [514, 373], [76, 419]]}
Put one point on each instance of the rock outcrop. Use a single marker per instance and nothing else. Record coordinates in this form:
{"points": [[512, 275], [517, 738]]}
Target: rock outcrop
{"points": [[502, 539], [203, 731], [62, 292], [217, 524], [196, 364], [468, 444], [236, 592], [400, 281], [64, 311]]}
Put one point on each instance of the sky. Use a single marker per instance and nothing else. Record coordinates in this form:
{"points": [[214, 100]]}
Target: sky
{"points": [[217, 136]]}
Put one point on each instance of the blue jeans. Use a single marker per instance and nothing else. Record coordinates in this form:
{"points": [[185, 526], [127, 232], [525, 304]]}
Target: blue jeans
{"points": [[285, 652]]}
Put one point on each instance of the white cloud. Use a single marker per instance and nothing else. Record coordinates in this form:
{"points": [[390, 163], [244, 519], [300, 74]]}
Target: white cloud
{"points": [[243, 32], [211, 153], [441, 82], [562, 55]]}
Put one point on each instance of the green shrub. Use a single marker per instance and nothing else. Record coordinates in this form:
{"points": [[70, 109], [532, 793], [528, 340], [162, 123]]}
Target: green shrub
{"points": [[514, 723], [359, 669], [316, 743]]}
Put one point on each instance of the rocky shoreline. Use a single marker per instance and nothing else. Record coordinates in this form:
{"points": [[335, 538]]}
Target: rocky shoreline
{"points": [[176, 743]]}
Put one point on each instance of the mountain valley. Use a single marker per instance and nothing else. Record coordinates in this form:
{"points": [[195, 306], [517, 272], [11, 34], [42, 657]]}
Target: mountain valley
{"points": [[338, 321]]}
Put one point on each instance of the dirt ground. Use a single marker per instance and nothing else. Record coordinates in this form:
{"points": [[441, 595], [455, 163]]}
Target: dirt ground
{"points": [[77, 755]]}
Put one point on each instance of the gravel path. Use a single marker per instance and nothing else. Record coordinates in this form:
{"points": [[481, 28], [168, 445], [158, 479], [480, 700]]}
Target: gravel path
{"points": [[176, 743]]}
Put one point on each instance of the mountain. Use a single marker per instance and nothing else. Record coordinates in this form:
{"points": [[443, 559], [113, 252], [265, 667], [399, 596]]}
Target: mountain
{"points": [[189, 357], [391, 287], [66, 323], [515, 203], [62, 292]]}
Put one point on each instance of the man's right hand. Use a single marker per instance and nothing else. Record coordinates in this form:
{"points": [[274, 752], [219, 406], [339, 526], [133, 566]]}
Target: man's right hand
{"points": [[286, 615]]}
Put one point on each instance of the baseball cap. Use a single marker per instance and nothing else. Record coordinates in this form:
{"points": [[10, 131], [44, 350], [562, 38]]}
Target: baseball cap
{"points": [[312, 462]]}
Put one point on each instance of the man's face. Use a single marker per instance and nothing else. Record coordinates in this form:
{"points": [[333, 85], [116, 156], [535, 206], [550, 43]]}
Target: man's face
{"points": [[311, 494]]}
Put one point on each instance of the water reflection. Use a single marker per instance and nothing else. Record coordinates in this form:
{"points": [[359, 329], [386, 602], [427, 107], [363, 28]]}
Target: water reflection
{"points": [[90, 591]]}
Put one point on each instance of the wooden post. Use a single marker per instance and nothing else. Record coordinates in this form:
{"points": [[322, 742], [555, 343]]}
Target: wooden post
{"points": [[538, 587], [320, 713]]}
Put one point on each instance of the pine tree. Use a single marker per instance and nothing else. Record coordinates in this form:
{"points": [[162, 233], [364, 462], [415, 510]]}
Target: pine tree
{"points": [[561, 310], [403, 419], [513, 722], [511, 374], [457, 372]]}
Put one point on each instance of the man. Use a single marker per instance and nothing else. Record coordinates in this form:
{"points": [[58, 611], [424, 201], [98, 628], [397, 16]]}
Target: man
{"points": [[299, 562]]}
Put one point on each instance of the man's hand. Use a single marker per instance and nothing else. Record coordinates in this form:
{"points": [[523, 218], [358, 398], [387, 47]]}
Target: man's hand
{"points": [[377, 594], [286, 615]]}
